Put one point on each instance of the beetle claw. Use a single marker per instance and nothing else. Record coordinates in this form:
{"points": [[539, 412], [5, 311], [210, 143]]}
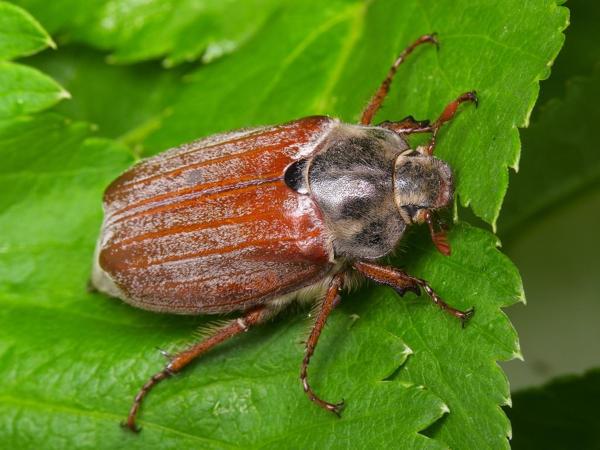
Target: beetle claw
{"points": [[472, 97], [435, 41], [466, 316], [131, 427], [337, 408]]}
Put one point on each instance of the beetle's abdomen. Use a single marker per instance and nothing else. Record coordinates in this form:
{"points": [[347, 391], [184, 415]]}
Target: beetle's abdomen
{"points": [[211, 227]]}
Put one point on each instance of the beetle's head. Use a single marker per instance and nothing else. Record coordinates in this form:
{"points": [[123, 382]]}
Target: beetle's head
{"points": [[422, 184]]}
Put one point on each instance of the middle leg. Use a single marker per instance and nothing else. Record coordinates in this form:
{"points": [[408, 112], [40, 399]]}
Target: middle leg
{"points": [[330, 301], [401, 281]]}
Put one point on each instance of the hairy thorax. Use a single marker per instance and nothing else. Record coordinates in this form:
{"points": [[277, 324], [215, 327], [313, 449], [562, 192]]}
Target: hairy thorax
{"points": [[351, 179]]}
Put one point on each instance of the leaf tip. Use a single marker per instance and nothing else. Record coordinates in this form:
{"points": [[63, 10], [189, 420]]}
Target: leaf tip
{"points": [[517, 354], [521, 296], [50, 42], [445, 409]]}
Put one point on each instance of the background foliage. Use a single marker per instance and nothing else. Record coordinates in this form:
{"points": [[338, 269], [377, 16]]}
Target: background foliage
{"points": [[549, 227], [71, 361]]}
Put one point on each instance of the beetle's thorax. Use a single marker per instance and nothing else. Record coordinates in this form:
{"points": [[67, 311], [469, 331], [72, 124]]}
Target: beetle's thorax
{"points": [[352, 181]]}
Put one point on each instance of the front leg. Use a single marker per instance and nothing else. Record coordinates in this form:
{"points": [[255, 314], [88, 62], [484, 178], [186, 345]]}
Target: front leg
{"points": [[447, 115], [401, 281], [384, 88], [408, 126]]}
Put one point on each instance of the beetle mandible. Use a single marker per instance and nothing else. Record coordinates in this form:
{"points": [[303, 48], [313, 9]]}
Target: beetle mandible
{"points": [[254, 219]]}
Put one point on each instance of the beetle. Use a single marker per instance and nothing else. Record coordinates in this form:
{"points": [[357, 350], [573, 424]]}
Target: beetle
{"points": [[254, 219]]}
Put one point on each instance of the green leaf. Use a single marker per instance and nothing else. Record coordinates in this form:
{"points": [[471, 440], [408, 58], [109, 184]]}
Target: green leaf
{"points": [[579, 57], [41, 236], [245, 394], [559, 163], [124, 102], [20, 34], [459, 365], [549, 222], [71, 361], [24, 90], [93, 359], [136, 31], [79, 386], [52, 177], [561, 414], [501, 51]]}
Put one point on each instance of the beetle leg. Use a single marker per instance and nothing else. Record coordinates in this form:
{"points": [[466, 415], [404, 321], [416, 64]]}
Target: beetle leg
{"points": [[182, 359], [438, 236], [447, 114], [329, 302], [407, 126], [399, 279], [384, 88]]}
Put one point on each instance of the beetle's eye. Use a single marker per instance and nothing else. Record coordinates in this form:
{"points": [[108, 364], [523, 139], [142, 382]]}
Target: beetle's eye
{"points": [[411, 210]]}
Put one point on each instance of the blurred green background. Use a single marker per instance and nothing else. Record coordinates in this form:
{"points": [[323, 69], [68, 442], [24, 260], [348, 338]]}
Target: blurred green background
{"points": [[550, 228], [551, 217]]}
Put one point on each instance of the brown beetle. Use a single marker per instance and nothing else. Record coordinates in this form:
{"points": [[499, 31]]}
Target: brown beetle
{"points": [[254, 219]]}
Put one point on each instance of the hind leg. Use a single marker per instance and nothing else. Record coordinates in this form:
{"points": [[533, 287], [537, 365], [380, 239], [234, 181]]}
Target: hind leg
{"points": [[182, 359]]}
